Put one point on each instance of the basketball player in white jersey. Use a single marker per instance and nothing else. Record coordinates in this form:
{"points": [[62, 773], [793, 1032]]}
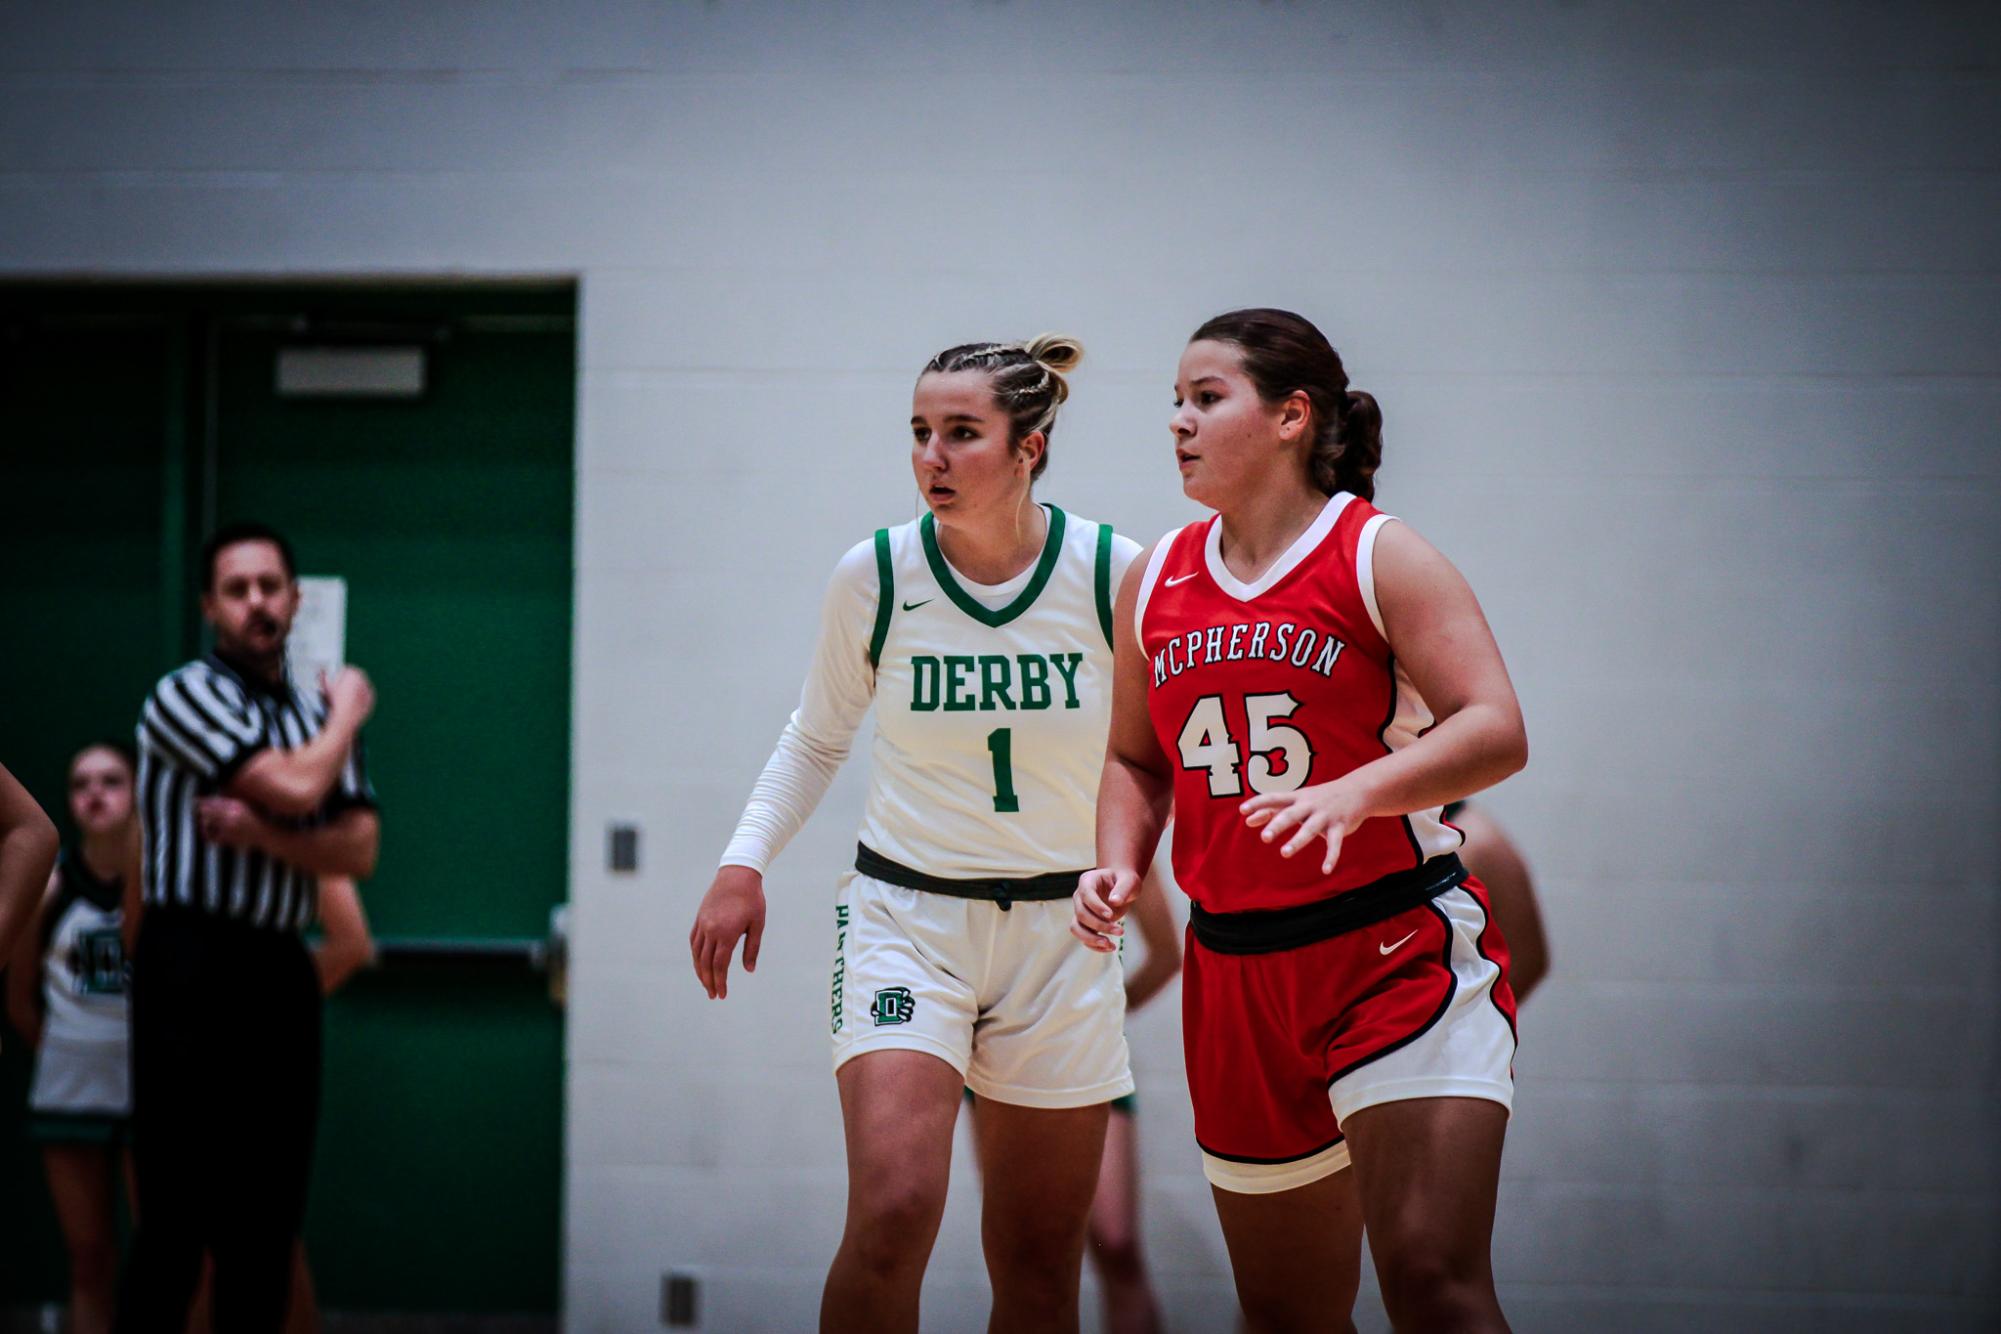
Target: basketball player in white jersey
{"points": [[66, 996], [982, 635]]}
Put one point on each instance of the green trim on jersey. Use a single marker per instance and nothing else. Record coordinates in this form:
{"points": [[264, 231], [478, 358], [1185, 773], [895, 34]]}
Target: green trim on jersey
{"points": [[885, 596], [1052, 547], [1105, 581]]}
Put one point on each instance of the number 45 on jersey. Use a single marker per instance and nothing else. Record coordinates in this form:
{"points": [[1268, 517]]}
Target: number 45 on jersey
{"points": [[1280, 756]]}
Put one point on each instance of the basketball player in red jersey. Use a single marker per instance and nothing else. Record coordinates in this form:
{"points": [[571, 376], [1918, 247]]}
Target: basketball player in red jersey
{"points": [[1302, 683]]}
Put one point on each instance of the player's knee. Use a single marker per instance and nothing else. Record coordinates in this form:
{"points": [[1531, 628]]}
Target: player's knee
{"points": [[1115, 1252], [1039, 1281], [1448, 1306], [1034, 1237], [1030, 1255], [1427, 1288], [892, 1226]]}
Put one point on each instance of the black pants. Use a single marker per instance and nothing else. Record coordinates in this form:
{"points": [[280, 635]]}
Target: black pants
{"points": [[225, 1101]]}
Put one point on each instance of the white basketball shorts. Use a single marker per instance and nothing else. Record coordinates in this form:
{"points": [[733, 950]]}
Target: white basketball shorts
{"points": [[1007, 997]]}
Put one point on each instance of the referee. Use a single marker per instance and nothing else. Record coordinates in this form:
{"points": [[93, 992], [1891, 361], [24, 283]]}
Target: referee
{"points": [[250, 789]]}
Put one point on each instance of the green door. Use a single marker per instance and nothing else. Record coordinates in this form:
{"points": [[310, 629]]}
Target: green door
{"points": [[446, 506], [87, 459]]}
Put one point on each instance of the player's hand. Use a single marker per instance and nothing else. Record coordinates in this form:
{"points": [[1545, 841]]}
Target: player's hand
{"points": [[1103, 896], [1325, 810], [229, 822], [350, 694], [732, 910]]}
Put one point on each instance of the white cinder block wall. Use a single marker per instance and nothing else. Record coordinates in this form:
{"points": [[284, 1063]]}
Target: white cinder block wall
{"points": [[1685, 323]]}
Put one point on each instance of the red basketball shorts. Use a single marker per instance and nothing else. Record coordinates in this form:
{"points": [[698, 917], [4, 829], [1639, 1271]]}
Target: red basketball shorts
{"points": [[1283, 1045]]}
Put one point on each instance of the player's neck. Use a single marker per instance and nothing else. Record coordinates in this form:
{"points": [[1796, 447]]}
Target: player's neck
{"points": [[104, 854], [1261, 527], [994, 548]]}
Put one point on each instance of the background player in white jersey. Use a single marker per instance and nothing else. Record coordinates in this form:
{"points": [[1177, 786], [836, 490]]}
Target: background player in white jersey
{"points": [[66, 996], [982, 634]]}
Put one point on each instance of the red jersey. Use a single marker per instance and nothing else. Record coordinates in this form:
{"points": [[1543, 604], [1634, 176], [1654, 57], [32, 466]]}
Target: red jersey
{"points": [[1270, 687]]}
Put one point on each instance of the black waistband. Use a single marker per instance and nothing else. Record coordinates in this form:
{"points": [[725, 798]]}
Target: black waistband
{"points": [[1055, 885], [192, 917], [1264, 931]]}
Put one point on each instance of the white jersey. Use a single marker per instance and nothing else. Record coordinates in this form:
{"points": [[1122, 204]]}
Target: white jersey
{"points": [[992, 704], [81, 1065]]}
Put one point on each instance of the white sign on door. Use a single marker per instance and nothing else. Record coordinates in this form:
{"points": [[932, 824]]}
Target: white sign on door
{"points": [[319, 632]]}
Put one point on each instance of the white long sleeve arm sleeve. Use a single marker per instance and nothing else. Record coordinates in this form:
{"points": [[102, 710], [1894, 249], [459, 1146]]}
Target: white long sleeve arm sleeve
{"points": [[840, 685]]}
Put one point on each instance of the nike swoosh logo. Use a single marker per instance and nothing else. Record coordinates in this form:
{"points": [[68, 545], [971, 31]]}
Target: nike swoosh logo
{"points": [[1392, 949], [913, 606], [1178, 579]]}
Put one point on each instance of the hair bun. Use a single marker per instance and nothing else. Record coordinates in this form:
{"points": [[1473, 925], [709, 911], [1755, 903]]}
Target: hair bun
{"points": [[1057, 353]]}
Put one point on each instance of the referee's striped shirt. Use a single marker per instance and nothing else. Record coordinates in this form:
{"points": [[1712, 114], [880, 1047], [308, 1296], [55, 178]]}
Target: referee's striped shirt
{"points": [[202, 723]]}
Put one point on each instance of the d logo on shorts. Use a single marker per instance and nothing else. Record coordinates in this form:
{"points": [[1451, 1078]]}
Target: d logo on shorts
{"points": [[892, 1005]]}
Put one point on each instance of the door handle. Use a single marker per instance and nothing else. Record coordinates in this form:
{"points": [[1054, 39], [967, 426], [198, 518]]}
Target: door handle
{"points": [[548, 955]]}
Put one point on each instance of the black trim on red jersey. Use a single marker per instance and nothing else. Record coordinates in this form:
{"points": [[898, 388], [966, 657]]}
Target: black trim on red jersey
{"points": [[1382, 739], [1289, 1158], [1451, 990], [1500, 973], [1449, 812]]}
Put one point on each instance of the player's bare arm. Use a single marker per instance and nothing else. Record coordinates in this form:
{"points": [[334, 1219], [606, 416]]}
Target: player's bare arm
{"points": [[347, 946], [28, 846], [24, 972], [1436, 629], [133, 896], [1161, 941], [732, 910], [1136, 792]]}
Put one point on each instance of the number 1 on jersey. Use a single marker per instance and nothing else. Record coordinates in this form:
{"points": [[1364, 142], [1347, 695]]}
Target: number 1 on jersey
{"points": [[1000, 744]]}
